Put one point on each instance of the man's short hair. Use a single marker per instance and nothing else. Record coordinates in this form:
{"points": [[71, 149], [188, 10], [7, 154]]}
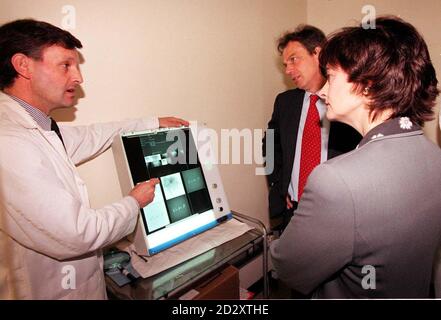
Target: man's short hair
{"points": [[309, 36], [390, 62], [29, 37]]}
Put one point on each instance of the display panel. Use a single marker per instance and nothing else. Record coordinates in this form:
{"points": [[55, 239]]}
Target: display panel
{"points": [[183, 203]]}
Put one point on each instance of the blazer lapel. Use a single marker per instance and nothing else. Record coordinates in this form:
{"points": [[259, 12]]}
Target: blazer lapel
{"points": [[291, 125]]}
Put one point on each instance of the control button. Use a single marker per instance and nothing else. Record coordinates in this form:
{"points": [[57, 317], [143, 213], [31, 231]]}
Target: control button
{"points": [[218, 200], [221, 209], [214, 185]]}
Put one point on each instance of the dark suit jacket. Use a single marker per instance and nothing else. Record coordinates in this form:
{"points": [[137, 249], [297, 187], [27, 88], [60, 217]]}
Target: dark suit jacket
{"points": [[285, 122]]}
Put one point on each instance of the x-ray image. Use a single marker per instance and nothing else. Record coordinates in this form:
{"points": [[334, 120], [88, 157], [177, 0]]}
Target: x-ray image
{"points": [[178, 208], [156, 213], [182, 206], [193, 180], [173, 186]]}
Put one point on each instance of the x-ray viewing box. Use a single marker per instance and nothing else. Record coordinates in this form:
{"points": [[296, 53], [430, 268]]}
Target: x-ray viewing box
{"points": [[190, 197]]}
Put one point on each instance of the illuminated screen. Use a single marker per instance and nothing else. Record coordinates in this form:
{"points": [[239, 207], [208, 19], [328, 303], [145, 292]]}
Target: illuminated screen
{"points": [[182, 206]]}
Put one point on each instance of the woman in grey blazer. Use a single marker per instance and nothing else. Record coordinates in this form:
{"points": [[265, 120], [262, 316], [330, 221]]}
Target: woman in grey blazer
{"points": [[369, 222]]}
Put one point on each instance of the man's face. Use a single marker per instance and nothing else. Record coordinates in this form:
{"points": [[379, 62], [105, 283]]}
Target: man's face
{"points": [[54, 78], [302, 67]]}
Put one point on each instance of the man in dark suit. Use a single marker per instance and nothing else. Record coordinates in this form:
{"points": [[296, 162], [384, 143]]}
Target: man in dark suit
{"points": [[300, 52]]}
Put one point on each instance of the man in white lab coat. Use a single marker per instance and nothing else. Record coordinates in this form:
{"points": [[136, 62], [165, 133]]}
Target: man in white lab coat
{"points": [[50, 238]]}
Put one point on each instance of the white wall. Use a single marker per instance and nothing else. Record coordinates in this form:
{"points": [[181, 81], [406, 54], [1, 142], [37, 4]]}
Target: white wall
{"points": [[208, 60]]}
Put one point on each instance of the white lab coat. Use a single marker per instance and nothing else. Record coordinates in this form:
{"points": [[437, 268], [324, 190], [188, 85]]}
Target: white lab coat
{"points": [[50, 238]]}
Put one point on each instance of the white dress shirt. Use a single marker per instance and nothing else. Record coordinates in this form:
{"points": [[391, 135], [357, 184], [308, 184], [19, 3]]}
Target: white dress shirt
{"points": [[325, 125]]}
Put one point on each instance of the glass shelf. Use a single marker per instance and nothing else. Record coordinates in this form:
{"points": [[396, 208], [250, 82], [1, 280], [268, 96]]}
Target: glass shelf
{"points": [[184, 275]]}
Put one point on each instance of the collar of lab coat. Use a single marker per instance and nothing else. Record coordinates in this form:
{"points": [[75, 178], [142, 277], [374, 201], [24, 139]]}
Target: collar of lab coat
{"points": [[16, 112]]}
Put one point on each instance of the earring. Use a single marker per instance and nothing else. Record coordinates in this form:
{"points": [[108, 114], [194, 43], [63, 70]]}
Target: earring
{"points": [[366, 91]]}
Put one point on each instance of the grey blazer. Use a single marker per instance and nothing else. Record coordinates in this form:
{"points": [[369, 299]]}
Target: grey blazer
{"points": [[369, 222]]}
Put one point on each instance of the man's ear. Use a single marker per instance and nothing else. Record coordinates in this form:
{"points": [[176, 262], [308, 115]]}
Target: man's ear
{"points": [[21, 64]]}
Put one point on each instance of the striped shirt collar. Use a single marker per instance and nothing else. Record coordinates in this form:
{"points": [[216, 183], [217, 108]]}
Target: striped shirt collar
{"points": [[43, 120]]}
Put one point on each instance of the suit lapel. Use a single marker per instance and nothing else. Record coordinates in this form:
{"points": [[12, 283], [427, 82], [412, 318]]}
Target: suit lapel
{"points": [[291, 124]]}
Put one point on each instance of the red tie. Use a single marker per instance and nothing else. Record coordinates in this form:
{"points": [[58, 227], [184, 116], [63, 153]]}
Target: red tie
{"points": [[311, 142]]}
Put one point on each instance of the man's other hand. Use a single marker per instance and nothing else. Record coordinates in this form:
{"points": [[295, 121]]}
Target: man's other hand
{"points": [[168, 122], [289, 203], [144, 192]]}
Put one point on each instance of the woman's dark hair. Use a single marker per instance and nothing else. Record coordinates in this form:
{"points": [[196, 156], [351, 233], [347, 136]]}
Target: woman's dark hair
{"points": [[309, 36], [28, 37], [392, 61]]}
